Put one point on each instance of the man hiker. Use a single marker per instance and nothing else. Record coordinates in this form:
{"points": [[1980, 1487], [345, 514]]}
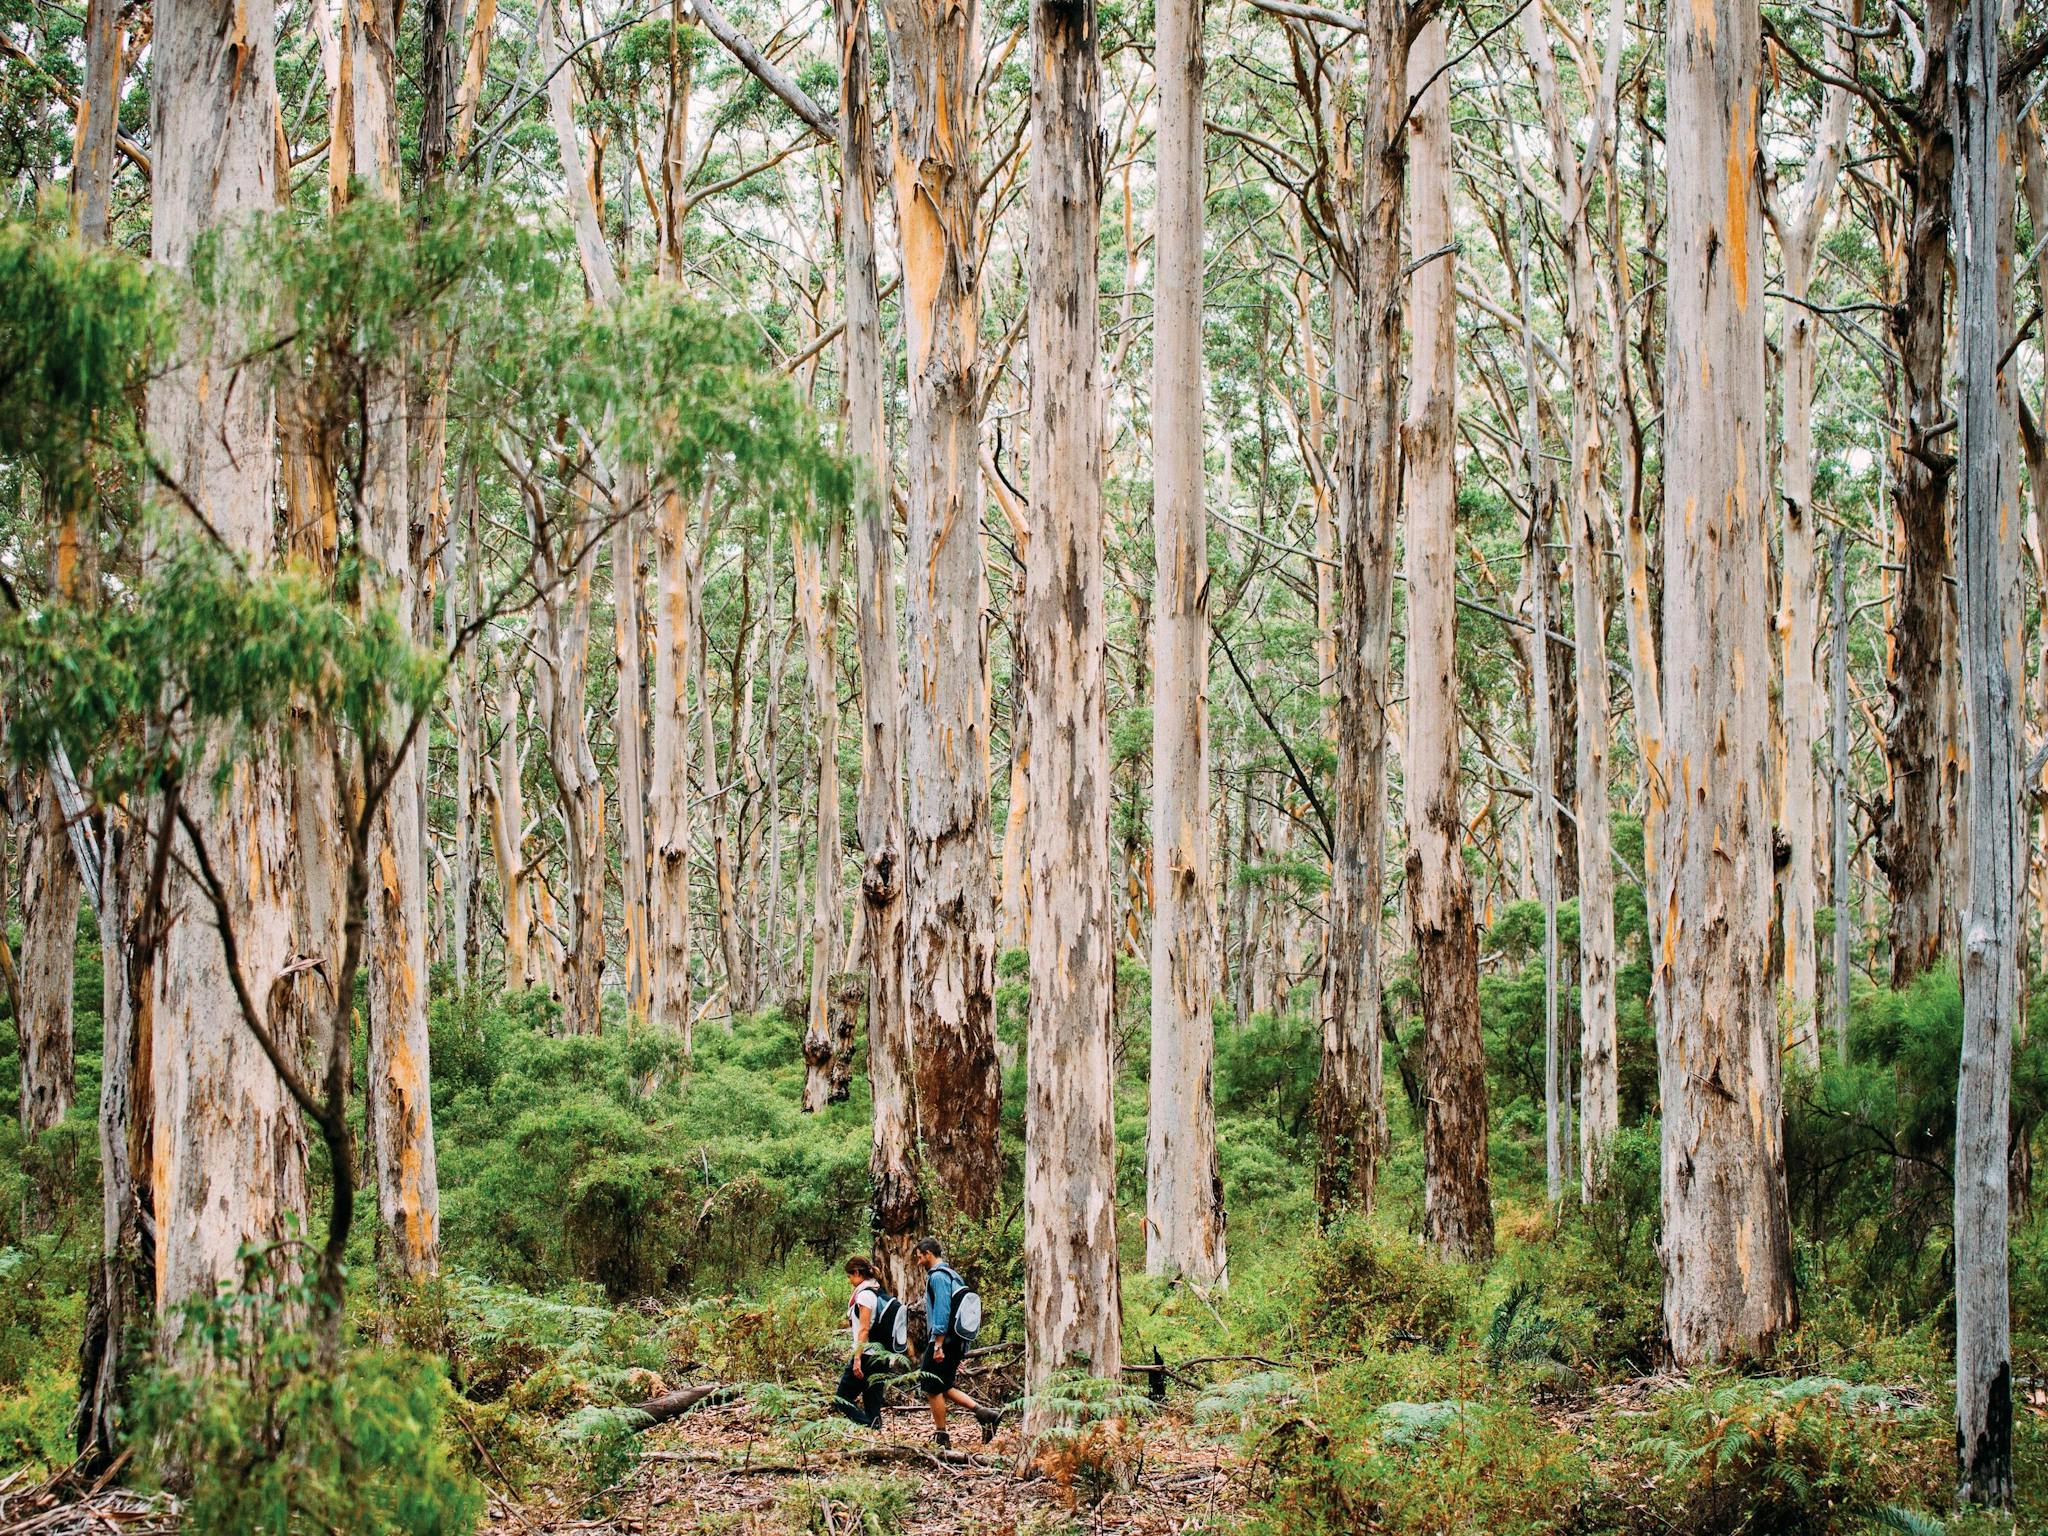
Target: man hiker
{"points": [[941, 1363], [861, 1383]]}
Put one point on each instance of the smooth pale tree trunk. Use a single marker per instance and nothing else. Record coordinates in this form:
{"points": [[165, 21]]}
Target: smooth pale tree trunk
{"points": [[1542, 770], [2034, 181], [827, 1056], [1016, 896], [505, 790], [98, 123], [1587, 518], [561, 636], [895, 1189], [1183, 1188], [1798, 222], [1727, 1240], [1543, 500], [1838, 757], [1993, 666], [228, 1155], [761, 772], [1457, 1213], [1073, 1307], [122, 1285], [949, 942], [1014, 905], [465, 718], [630, 716], [44, 972], [675, 630], [717, 791], [1911, 823], [398, 1096], [1366, 356]]}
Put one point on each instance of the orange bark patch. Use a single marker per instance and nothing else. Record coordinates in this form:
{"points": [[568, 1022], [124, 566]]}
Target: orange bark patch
{"points": [[1741, 157]]}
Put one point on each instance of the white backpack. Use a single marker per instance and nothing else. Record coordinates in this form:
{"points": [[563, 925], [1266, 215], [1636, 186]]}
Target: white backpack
{"points": [[966, 1323]]}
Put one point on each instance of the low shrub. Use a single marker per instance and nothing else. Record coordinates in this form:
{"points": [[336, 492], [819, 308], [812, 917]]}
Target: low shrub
{"points": [[1812, 1456], [1492, 1469], [1368, 1286], [1095, 1445], [265, 1440], [867, 1504]]}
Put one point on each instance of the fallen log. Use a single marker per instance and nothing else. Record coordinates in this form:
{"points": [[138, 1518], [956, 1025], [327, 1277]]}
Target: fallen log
{"points": [[673, 1405]]}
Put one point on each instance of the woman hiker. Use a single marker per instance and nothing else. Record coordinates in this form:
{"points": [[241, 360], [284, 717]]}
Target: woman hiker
{"points": [[862, 1382]]}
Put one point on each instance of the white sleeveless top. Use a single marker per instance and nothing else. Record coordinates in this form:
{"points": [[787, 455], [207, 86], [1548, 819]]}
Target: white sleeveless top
{"points": [[867, 1293]]}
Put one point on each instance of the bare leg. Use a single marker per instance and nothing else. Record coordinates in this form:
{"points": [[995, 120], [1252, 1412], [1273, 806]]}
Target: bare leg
{"points": [[938, 1405]]}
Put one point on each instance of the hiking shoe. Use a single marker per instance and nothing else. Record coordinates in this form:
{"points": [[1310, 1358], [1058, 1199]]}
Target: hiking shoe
{"points": [[944, 1440], [990, 1418]]}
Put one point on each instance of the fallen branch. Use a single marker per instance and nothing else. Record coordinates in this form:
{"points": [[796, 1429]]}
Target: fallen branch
{"points": [[872, 1455], [673, 1405]]}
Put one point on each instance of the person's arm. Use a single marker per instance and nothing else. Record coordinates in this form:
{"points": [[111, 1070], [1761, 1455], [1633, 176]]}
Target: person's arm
{"points": [[940, 1287], [864, 1319]]}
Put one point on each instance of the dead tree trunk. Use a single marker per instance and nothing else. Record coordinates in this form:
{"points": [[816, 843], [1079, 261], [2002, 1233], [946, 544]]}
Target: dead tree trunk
{"points": [[1993, 661]]}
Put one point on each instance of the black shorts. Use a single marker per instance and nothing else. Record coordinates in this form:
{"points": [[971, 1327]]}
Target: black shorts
{"points": [[935, 1377]]}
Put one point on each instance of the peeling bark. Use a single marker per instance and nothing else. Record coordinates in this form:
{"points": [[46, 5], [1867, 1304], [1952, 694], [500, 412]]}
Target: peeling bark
{"points": [[1993, 666], [1072, 1302], [1914, 820], [228, 1155], [1727, 1240], [1457, 1215], [896, 1190], [949, 941], [1184, 1220], [1366, 354], [398, 1098], [44, 973]]}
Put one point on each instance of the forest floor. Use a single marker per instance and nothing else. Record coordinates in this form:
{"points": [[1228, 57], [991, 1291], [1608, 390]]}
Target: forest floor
{"points": [[728, 1471]]}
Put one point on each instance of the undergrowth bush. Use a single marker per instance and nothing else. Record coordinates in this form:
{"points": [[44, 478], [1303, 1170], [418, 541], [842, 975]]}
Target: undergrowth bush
{"points": [[860, 1504], [1095, 1443], [270, 1441], [609, 1159], [1336, 1467], [1813, 1456], [1366, 1285]]}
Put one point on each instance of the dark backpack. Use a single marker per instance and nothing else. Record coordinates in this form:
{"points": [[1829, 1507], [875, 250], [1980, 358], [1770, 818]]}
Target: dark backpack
{"points": [[891, 1326], [966, 1323]]}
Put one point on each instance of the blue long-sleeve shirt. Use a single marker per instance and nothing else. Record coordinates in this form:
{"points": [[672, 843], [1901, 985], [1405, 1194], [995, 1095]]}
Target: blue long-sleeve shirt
{"points": [[940, 1285]]}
